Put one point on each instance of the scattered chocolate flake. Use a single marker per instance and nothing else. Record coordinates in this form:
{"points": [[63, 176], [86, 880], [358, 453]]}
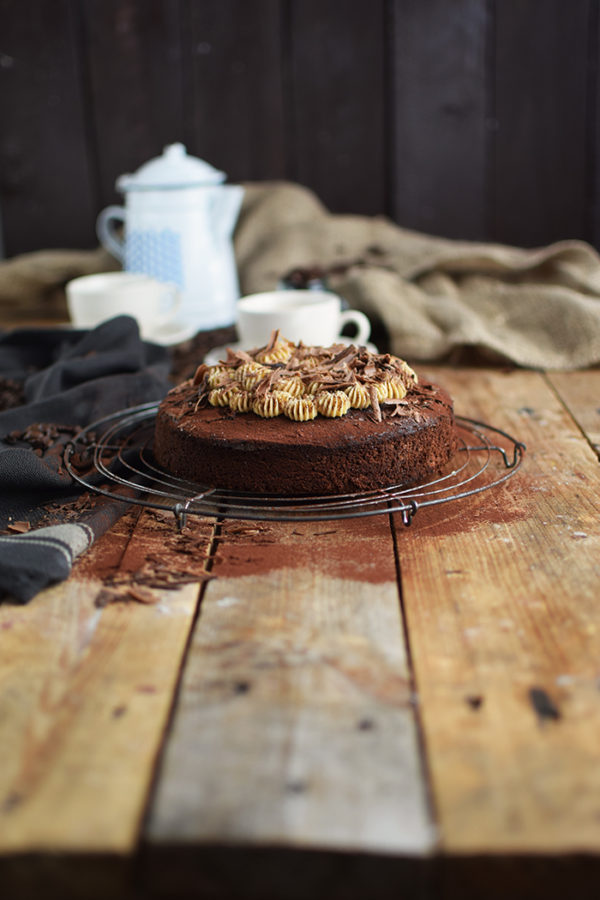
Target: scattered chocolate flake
{"points": [[142, 594], [11, 801], [106, 596], [18, 527], [48, 441], [41, 436], [57, 513], [475, 701], [245, 530], [126, 586], [297, 787], [543, 704], [12, 393], [365, 724]]}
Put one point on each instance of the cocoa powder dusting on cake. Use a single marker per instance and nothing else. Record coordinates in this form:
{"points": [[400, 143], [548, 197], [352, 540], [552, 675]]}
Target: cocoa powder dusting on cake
{"points": [[296, 420]]}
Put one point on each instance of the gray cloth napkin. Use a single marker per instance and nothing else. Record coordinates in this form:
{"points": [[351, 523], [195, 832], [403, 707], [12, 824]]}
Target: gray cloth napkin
{"points": [[69, 379]]}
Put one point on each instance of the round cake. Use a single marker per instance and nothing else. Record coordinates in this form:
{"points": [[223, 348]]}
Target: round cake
{"points": [[293, 420]]}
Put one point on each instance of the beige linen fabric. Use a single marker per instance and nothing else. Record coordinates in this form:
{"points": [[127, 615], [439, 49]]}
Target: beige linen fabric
{"points": [[537, 308], [32, 284], [437, 298]]}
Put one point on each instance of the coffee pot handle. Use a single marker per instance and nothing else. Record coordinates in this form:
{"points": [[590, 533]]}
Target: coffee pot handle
{"points": [[107, 233]]}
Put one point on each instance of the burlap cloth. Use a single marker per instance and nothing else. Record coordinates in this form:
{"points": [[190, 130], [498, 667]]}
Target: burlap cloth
{"points": [[438, 299]]}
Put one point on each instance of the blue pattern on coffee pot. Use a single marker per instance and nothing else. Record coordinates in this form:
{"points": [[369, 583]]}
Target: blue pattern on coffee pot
{"points": [[177, 226], [155, 253]]}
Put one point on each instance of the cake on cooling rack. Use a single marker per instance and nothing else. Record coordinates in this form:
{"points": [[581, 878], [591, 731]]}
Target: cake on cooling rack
{"points": [[294, 420]]}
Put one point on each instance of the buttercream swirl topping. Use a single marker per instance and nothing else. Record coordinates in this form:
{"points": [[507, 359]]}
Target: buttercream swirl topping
{"points": [[302, 382]]}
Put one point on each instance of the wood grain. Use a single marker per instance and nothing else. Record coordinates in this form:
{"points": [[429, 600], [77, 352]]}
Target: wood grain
{"points": [[135, 82], [336, 94], [234, 86], [294, 725], [500, 594], [46, 182], [85, 694], [475, 119], [438, 114], [540, 180], [593, 131], [580, 392]]}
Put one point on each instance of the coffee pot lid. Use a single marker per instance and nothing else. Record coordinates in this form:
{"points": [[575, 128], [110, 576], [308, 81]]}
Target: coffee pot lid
{"points": [[174, 169]]}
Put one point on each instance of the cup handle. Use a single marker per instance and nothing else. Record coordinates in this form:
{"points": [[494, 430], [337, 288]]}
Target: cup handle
{"points": [[106, 232], [174, 304], [363, 326]]}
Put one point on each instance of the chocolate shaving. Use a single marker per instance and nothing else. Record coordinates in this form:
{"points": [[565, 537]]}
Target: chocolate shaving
{"points": [[12, 393], [142, 594], [266, 383], [375, 402], [394, 401], [346, 354], [203, 392], [369, 371], [333, 368], [18, 527], [237, 357], [272, 341], [199, 375], [153, 574]]}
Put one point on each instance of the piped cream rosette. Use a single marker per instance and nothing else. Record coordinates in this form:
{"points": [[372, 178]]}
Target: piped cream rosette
{"points": [[302, 382]]}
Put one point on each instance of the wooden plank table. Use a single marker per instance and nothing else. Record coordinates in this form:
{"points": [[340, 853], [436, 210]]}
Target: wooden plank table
{"points": [[344, 709]]}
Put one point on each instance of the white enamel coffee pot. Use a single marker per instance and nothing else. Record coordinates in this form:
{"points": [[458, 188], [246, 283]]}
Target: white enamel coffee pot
{"points": [[179, 219]]}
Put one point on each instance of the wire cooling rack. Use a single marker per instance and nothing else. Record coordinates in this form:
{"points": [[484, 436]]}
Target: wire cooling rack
{"points": [[113, 457]]}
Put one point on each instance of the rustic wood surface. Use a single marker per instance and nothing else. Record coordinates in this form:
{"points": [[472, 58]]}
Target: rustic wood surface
{"points": [[579, 391], [346, 709], [501, 603], [296, 678], [86, 693]]}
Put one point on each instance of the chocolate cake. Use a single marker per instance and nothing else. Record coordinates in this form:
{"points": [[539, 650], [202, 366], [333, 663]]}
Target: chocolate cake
{"points": [[295, 420]]}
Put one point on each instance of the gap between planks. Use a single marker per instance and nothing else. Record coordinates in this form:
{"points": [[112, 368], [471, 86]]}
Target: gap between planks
{"points": [[579, 392], [500, 594], [294, 725], [85, 697]]}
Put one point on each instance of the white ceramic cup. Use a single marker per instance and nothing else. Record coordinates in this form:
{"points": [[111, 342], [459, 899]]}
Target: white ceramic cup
{"points": [[313, 317], [92, 299]]}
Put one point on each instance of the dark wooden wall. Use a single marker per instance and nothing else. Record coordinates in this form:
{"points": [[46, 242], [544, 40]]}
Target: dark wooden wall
{"points": [[475, 119]]}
